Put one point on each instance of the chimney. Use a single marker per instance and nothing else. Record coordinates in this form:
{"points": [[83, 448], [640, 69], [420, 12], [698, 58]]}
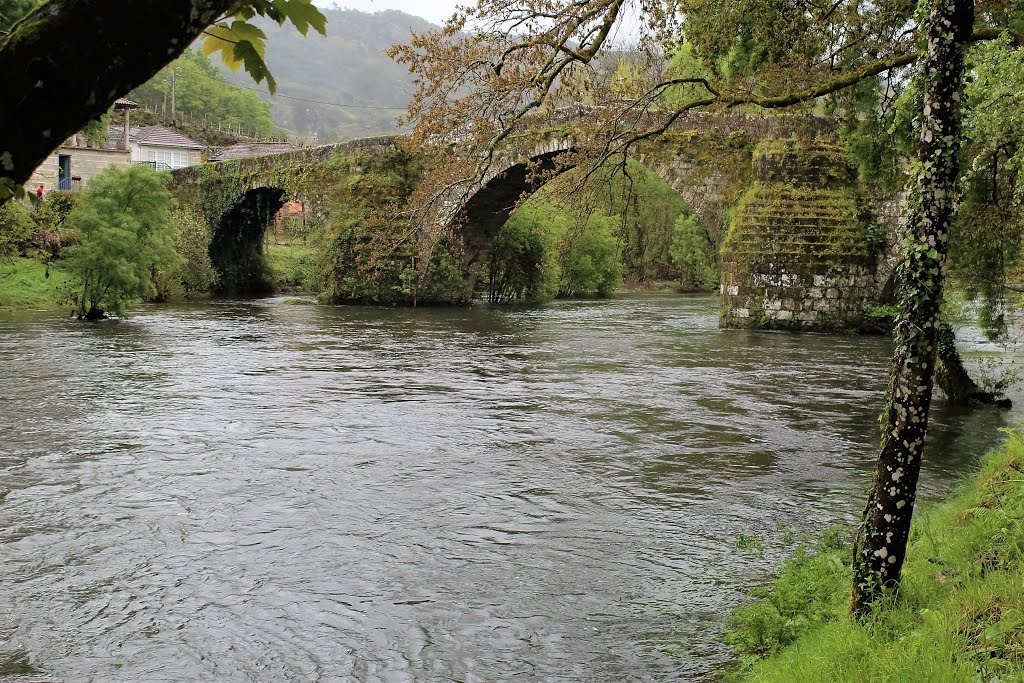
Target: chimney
{"points": [[123, 105]]}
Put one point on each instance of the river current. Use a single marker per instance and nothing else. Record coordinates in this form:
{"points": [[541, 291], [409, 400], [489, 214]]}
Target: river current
{"points": [[253, 491]]}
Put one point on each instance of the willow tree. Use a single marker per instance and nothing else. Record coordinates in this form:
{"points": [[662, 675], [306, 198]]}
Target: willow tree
{"points": [[65, 63], [499, 66]]}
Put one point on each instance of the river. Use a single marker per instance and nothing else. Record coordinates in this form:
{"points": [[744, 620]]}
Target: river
{"points": [[252, 491]]}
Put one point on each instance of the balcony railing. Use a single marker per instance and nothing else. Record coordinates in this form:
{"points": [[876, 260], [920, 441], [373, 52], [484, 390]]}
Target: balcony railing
{"points": [[158, 165]]}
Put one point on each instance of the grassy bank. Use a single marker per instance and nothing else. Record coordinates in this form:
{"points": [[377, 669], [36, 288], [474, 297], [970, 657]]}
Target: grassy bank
{"points": [[960, 612], [27, 283], [292, 266]]}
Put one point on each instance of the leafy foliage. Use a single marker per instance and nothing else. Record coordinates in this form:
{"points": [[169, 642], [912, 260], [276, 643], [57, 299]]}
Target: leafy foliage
{"points": [[13, 10], [544, 250], [694, 254], [551, 245], [193, 274], [16, 228], [125, 235], [241, 43], [802, 597], [519, 266], [987, 240], [589, 258]]}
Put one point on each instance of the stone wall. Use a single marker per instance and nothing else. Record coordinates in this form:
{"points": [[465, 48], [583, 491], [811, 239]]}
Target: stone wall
{"points": [[796, 255], [890, 214], [86, 163]]}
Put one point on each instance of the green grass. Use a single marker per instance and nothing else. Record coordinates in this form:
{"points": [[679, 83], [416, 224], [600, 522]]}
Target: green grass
{"points": [[292, 266], [959, 615], [24, 284]]}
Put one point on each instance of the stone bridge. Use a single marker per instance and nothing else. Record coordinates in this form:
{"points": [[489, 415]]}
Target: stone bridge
{"points": [[774, 190]]}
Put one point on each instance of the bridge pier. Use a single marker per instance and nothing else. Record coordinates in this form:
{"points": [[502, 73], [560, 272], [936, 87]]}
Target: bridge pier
{"points": [[796, 255]]}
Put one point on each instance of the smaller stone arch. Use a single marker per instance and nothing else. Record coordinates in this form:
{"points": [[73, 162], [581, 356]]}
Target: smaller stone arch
{"points": [[236, 247]]}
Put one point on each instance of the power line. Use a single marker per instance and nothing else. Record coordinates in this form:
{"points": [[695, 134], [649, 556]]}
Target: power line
{"points": [[331, 104]]}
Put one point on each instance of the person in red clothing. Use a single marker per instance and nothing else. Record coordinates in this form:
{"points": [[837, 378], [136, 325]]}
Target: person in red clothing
{"points": [[39, 193]]}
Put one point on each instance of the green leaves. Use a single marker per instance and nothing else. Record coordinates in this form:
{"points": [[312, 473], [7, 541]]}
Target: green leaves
{"points": [[303, 15], [243, 44], [125, 236]]}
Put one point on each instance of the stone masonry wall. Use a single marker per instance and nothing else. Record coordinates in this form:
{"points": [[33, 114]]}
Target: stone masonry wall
{"points": [[796, 255], [86, 163]]}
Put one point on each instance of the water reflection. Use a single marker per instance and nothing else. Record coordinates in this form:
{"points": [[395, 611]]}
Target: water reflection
{"points": [[255, 491]]}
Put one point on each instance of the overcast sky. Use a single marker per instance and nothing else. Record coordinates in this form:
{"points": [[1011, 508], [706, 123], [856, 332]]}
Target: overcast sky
{"points": [[436, 11]]}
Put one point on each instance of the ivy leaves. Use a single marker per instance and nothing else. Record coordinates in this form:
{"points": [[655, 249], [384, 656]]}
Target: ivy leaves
{"points": [[241, 43]]}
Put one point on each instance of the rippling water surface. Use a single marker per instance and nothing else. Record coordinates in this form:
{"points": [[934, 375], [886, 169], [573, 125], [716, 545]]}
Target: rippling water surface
{"points": [[249, 491]]}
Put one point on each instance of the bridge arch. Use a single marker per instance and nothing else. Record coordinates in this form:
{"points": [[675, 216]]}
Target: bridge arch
{"points": [[236, 245], [490, 206]]}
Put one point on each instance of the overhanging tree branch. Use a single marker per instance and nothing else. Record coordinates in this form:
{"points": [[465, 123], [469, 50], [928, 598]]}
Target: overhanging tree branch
{"points": [[66, 63]]}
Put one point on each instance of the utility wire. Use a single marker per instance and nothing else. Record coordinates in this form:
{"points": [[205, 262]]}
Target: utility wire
{"points": [[331, 104]]}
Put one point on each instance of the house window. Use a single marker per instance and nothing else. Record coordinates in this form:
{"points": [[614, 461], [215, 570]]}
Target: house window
{"points": [[168, 159]]}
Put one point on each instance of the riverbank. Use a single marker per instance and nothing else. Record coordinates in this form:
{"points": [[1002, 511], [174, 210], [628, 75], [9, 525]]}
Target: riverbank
{"points": [[960, 615], [28, 283]]}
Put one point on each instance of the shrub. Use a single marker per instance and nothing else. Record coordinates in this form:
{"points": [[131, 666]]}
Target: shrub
{"points": [[195, 271], [590, 259], [694, 255], [813, 579], [16, 228]]}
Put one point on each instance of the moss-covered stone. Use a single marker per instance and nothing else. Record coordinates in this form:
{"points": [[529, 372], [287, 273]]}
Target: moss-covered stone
{"points": [[797, 255]]}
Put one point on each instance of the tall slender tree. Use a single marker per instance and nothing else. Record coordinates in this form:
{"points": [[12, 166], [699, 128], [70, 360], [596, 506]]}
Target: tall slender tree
{"points": [[881, 543]]}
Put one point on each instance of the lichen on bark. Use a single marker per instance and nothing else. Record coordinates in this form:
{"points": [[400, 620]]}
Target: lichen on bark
{"points": [[885, 527]]}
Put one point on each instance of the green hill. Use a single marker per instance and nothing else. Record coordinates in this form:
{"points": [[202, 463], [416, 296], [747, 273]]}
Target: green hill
{"points": [[345, 67]]}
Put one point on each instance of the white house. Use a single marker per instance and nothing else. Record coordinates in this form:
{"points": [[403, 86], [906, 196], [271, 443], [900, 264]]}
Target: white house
{"points": [[159, 146]]}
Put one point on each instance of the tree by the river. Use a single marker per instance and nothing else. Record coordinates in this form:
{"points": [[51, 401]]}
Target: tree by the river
{"points": [[498, 65], [124, 238], [881, 543]]}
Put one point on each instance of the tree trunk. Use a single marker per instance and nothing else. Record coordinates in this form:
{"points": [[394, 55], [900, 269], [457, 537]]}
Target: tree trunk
{"points": [[882, 537], [65, 63], [953, 379]]}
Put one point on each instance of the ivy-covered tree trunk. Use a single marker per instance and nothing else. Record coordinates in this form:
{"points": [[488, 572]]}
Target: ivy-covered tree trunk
{"points": [[954, 380], [65, 64], [882, 537]]}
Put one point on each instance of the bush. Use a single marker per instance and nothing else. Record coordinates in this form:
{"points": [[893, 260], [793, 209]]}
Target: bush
{"points": [[694, 255], [590, 259], [516, 264], [16, 228], [814, 580], [194, 274]]}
